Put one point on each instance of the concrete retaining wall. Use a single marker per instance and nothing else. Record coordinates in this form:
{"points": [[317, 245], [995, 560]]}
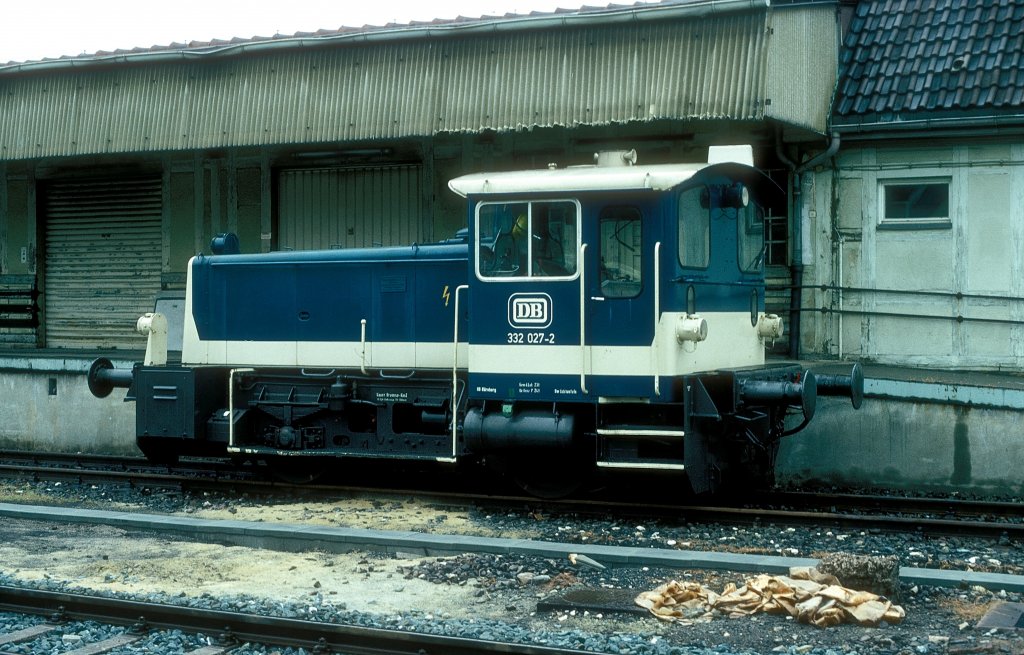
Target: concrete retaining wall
{"points": [[49, 407], [911, 444]]}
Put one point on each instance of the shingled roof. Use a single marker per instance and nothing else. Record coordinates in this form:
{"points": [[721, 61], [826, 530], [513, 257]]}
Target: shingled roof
{"points": [[905, 60]]}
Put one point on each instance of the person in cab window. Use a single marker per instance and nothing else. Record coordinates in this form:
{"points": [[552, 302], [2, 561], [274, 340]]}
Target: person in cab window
{"points": [[521, 237], [546, 253]]}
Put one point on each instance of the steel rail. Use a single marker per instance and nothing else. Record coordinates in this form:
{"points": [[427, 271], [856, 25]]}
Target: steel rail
{"points": [[156, 473], [895, 503], [209, 467], [933, 515], [131, 479], [243, 627], [38, 456]]}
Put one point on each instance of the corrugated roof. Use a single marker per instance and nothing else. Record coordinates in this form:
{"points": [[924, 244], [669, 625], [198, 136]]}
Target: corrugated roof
{"points": [[686, 60], [706, 68], [343, 32], [906, 60]]}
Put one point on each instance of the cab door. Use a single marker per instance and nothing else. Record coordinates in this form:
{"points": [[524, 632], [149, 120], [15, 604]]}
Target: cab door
{"points": [[619, 306], [524, 328]]}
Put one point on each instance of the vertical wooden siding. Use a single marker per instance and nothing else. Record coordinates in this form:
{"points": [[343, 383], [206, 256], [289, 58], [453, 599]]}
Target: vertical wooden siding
{"points": [[350, 208]]}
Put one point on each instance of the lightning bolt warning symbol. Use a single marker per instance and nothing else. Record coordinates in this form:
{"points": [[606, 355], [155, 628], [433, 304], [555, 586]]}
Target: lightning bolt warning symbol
{"points": [[446, 295]]}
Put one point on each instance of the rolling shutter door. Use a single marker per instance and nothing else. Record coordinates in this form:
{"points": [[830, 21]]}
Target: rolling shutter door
{"points": [[102, 259], [350, 208]]}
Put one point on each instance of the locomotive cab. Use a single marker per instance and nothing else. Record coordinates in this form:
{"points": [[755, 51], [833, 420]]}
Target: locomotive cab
{"points": [[621, 309], [598, 282]]}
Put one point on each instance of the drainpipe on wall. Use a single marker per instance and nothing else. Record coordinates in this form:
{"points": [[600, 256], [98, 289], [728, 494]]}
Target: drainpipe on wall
{"points": [[797, 269]]}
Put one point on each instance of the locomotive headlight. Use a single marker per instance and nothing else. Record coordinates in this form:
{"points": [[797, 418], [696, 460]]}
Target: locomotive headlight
{"points": [[691, 328], [736, 196], [769, 326], [154, 327]]}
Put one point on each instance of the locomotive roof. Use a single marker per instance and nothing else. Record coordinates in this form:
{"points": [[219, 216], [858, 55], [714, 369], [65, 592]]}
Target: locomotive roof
{"points": [[656, 177], [576, 178]]}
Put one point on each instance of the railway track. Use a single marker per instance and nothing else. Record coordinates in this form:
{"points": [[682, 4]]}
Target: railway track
{"points": [[932, 515], [866, 503], [623, 559], [49, 466], [231, 629]]}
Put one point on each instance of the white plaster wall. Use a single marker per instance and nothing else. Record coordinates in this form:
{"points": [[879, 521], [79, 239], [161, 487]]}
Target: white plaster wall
{"points": [[981, 253]]}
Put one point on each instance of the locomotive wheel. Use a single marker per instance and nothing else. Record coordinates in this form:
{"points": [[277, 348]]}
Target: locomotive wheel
{"points": [[549, 488], [298, 469], [159, 455], [548, 478]]}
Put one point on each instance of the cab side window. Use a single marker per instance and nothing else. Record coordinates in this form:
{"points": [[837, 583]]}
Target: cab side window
{"points": [[621, 252], [497, 251], [527, 239]]}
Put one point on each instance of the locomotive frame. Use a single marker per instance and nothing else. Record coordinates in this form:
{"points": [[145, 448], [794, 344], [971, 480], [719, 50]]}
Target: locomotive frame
{"points": [[607, 316]]}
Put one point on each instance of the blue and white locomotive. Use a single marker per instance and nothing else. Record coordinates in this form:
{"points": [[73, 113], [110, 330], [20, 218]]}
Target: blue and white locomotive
{"points": [[593, 316]]}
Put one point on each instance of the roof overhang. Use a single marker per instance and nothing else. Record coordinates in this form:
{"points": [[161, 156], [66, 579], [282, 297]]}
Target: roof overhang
{"points": [[874, 127], [619, 66]]}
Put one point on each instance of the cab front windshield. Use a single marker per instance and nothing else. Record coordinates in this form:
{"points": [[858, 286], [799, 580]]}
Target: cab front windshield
{"points": [[700, 207]]}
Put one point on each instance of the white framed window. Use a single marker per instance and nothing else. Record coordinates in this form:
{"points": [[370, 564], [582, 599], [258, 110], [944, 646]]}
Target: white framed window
{"points": [[621, 252], [914, 203], [527, 239], [694, 228]]}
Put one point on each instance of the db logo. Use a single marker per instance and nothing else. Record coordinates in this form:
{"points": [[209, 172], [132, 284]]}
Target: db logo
{"points": [[529, 310]]}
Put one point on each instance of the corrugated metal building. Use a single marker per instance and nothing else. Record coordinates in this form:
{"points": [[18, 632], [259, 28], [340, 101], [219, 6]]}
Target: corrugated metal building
{"points": [[115, 168]]}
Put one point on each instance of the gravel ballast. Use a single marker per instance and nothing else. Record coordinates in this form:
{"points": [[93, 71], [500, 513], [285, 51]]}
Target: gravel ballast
{"points": [[485, 596]]}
